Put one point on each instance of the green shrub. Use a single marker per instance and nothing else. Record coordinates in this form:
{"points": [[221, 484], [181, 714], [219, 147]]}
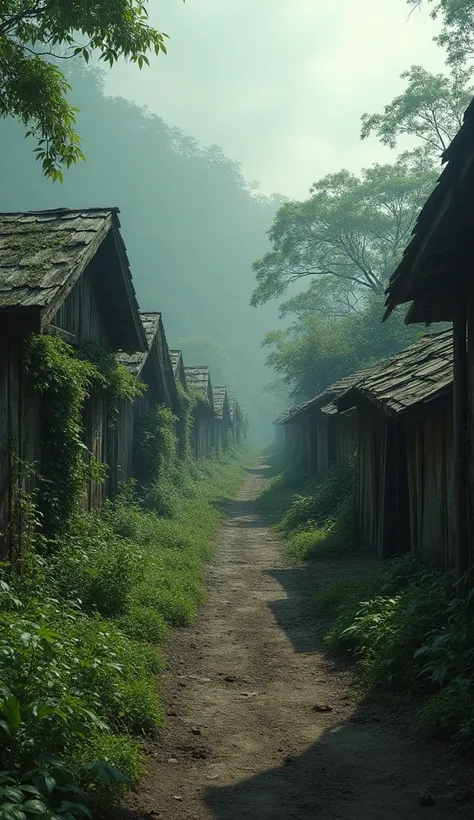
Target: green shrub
{"points": [[321, 503], [79, 630], [347, 593], [144, 623]]}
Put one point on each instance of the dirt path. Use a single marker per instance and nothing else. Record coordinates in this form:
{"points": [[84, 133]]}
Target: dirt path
{"points": [[246, 738]]}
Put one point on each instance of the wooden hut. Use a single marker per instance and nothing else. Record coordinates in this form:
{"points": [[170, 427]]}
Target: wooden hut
{"points": [[435, 275], [404, 445], [62, 272], [177, 364], [149, 368], [316, 434], [236, 420], [222, 419], [199, 384]]}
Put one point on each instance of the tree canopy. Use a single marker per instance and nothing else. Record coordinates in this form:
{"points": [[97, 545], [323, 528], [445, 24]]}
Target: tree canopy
{"points": [[352, 229], [430, 108], [317, 351], [37, 34], [457, 32]]}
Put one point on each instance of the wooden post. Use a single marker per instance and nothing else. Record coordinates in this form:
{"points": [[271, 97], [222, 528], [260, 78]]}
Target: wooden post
{"points": [[459, 442]]}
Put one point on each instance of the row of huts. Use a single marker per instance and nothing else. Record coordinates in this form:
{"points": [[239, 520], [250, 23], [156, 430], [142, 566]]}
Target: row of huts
{"points": [[411, 419], [66, 273]]}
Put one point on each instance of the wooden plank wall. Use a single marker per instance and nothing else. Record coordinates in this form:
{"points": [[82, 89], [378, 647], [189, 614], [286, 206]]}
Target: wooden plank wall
{"points": [[79, 313], [344, 430], [430, 472], [371, 476], [20, 441]]}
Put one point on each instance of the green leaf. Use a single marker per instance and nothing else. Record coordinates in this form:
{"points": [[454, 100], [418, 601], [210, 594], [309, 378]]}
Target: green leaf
{"points": [[35, 807], [76, 808], [10, 708], [11, 812], [108, 773]]}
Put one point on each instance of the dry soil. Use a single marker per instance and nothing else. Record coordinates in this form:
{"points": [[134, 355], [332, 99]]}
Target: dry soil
{"points": [[263, 724]]}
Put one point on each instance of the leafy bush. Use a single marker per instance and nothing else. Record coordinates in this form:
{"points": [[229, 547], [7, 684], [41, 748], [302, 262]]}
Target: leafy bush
{"points": [[78, 636], [317, 507], [409, 635]]}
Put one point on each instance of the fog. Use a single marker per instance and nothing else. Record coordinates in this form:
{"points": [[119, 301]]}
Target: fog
{"points": [[279, 86]]}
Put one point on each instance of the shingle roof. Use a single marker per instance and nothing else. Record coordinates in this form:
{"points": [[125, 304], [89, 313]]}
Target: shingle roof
{"points": [[135, 362], [176, 358], [418, 374], [427, 265], [324, 398], [235, 410], [198, 380], [219, 395], [197, 377], [43, 254]]}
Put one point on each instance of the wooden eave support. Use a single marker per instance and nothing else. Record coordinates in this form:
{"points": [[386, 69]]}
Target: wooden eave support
{"points": [[460, 442]]}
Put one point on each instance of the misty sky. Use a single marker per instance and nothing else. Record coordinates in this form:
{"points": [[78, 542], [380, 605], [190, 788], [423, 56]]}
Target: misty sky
{"points": [[281, 84]]}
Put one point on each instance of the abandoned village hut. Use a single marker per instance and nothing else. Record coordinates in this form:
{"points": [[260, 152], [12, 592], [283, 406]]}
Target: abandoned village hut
{"points": [[317, 434], [178, 368], [62, 272], [279, 431], [405, 451], [199, 384], [153, 324], [435, 275], [222, 418], [236, 417], [149, 368]]}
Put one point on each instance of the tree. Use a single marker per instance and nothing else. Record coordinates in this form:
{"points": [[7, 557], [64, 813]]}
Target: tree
{"points": [[35, 35], [317, 351], [457, 33], [328, 297], [351, 229], [430, 108]]}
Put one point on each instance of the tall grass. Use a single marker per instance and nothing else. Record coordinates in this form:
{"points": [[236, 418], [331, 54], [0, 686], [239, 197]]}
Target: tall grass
{"points": [[81, 636], [317, 518]]}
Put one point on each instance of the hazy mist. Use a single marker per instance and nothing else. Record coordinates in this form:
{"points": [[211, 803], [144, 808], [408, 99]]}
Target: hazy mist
{"points": [[280, 87]]}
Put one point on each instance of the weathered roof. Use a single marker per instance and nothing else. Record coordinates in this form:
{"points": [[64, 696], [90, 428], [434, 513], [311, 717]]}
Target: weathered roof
{"points": [[197, 377], [324, 398], [198, 380], [135, 361], [221, 402], [154, 329], [427, 272], [161, 382], [235, 410], [43, 254], [177, 363], [420, 373], [176, 358]]}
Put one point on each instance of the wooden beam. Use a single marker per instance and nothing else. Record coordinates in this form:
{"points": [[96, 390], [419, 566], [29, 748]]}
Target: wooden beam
{"points": [[460, 441], [70, 338]]}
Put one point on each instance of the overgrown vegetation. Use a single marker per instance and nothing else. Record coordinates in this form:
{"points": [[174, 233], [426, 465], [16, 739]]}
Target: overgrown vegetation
{"points": [[320, 515], [65, 380], [402, 623], [84, 613], [412, 636]]}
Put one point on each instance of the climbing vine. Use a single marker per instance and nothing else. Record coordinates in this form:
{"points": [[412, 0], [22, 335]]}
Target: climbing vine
{"points": [[113, 377], [156, 445], [65, 379]]}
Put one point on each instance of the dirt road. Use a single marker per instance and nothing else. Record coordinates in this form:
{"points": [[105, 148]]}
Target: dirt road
{"points": [[260, 723]]}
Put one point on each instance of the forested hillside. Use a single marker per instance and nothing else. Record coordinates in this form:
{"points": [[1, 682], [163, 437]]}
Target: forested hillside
{"points": [[183, 206]]}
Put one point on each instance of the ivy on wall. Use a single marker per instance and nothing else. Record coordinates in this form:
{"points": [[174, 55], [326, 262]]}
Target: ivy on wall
{"points": [[65, 378]]}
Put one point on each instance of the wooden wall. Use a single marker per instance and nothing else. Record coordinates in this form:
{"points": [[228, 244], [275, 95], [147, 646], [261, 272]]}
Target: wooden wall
{"points": [[79, 314], [429, 444], [382, 482], [20, 439]]}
